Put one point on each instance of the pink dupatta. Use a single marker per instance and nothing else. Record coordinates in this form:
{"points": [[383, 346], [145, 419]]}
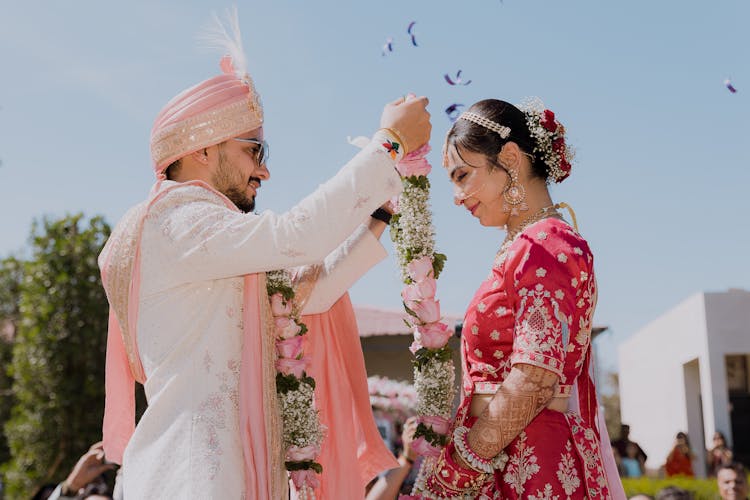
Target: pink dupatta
{"points": [[353, 452]]}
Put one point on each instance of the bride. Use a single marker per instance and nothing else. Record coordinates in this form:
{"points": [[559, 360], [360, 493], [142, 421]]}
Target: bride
{"points": [[526, 427]]}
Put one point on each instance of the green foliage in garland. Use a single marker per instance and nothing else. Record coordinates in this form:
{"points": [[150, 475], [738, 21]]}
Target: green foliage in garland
{"points": [[425, 355]]}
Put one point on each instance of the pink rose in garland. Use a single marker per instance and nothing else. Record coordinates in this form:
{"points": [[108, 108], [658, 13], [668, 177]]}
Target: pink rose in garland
{"points": [[415, 164], [280, 306], [306, 478], [434, 335], [289, 348], [286, 327], [294, 367], [438, 424], [417, 291], [300, 454], [427, 311], [420, 269], [424, 448]]}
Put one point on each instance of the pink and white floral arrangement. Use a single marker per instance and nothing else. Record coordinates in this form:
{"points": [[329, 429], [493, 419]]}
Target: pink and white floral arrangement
{"points": [[414, 237], [302, 431]]}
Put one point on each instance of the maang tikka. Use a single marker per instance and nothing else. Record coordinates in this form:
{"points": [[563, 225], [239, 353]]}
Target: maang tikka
{"points": [[514, 196]]}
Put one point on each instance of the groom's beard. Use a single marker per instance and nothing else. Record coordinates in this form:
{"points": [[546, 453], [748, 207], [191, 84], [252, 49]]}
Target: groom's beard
{"points": [[239, 196], [227, 180]]}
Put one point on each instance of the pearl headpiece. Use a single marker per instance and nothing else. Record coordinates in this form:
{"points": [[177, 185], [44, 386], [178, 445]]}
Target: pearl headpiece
{"points": [[501, 130]]}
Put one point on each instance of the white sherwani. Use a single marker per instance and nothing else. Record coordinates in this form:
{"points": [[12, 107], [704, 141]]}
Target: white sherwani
{"points": [[194, 252]]}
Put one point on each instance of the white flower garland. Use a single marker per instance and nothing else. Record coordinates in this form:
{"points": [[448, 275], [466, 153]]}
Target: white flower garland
{"points": [[414, 237], [302, 431]]}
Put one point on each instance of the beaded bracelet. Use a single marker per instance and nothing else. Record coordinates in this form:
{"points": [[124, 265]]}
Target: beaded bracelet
{"points": [[479, 464]]}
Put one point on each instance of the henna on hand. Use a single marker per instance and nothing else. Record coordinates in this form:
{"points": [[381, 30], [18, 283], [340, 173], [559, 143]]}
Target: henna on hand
{"points": [[523, 394]]}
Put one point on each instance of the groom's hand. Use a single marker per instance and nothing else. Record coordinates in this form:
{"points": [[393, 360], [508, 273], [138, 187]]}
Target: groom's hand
{"points": [[408, 117]]}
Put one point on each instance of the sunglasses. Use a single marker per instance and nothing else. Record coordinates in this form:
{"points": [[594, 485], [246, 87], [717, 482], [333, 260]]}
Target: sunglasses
{"points": [[262, 153]]}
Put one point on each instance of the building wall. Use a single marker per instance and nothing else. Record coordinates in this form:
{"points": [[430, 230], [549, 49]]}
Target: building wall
{"points": [[389, 356], [661, 370], [728, 325], [673, 375]]}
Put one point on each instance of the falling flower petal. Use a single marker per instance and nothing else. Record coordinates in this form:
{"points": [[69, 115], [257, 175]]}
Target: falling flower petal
{"points": [[457, 80], [409, 31], [729, 86], [388, 47], [452, 111]]}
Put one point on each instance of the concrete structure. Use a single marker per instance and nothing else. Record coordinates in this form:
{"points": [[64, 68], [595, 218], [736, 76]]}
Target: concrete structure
{"points": [[688, 371], [386, 340]]}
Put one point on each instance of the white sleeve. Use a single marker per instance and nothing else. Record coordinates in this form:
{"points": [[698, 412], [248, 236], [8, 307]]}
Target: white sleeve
{"points": [[343, 267], [199, 239]]}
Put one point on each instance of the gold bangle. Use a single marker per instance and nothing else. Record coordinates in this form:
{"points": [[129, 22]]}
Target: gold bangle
{"points": [[395, 133], [403, 455]]}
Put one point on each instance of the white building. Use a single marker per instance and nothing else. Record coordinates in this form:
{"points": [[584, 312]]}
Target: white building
{"points": [[688, 371]]}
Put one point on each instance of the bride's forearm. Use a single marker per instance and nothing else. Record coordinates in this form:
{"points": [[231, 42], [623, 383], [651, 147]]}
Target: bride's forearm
{"points": [[523, 394]]}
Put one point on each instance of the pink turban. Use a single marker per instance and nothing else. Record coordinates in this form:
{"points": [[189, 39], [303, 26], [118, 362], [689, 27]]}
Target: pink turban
{"points": [[211, 112]]}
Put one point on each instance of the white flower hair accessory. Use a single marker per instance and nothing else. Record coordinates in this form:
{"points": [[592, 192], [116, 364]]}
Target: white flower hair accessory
{"points": [[549, 138]]}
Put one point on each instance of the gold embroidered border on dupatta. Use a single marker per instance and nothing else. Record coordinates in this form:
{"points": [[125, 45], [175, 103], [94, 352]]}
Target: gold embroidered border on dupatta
{"points": [[117, 261], [279, 480]]}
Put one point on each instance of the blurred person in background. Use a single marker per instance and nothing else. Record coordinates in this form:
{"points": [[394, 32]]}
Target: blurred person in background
{"points": [[85, 480], [732, 480], [720, 454], [680, 459]]}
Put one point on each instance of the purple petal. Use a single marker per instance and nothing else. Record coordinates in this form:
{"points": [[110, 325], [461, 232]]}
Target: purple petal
{"points": [[411, 25], [448, 79], [452, 111], [414, 41]]}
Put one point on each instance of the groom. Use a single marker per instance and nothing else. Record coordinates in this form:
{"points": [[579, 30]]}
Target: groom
{"points": [[184, 273]]}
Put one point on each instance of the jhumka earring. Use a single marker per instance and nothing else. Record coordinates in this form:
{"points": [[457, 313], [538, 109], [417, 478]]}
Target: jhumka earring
{"points": [[514, 196]]}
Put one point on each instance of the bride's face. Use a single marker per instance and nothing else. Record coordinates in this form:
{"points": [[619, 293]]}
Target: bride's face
{"points": [[478, 186]]}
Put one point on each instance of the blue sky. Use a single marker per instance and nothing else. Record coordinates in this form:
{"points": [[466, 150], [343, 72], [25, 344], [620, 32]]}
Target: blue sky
{"points": [[663, 166]]}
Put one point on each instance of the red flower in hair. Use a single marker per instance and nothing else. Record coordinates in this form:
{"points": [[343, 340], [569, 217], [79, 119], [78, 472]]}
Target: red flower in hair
{"points": [[558, 145], [565, 167], [548, 121]]}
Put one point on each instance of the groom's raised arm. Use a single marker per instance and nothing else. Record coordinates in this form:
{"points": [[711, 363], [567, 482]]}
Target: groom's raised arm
{"points": [[320, 288]]}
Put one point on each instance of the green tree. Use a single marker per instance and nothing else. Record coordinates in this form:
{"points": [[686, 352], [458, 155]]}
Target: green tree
{"points": [[10, 281], [58, 354]]}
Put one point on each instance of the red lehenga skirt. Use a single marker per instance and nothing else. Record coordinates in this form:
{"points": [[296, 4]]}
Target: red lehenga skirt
{"points": [[557, 456]]}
